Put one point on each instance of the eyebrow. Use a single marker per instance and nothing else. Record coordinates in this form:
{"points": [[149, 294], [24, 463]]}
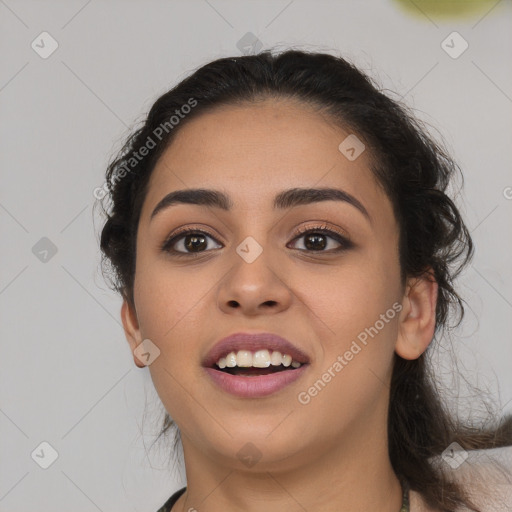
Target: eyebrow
{"points": [[286, 199]]}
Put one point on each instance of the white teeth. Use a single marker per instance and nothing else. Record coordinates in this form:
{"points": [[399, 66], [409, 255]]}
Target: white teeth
{"points": [[276, 358], [244, 358], [259, 359], [231, 360]]}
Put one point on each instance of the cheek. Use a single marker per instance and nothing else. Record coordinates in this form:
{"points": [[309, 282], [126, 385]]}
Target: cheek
{"points": [[165, 296], [356, 309], [351, 296], [171, 312], [356, 351], [169, 307]]}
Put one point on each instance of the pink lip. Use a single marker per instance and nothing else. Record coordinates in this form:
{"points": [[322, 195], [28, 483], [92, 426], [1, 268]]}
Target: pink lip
{"points": [[254, 386]]}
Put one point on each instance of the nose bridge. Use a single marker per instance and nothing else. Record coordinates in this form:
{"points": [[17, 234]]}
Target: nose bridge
{"points": [[253, 232], [252, 257], [256, 235]]}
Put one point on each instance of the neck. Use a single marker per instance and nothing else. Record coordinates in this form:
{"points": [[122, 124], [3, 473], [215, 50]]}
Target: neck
{"points": [[354, 475]]}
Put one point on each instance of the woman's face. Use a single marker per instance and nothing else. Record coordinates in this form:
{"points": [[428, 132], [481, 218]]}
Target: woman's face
{"points": [[337, 303]]}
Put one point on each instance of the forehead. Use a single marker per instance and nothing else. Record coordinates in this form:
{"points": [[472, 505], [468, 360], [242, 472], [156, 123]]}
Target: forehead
{"points": [[256, 150]]}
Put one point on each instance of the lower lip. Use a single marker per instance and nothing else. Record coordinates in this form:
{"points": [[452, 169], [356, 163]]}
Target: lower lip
{"points": [[255, 386]]}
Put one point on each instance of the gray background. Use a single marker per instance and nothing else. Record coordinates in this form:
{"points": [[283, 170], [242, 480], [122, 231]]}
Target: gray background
{"points": [[67, 375]]}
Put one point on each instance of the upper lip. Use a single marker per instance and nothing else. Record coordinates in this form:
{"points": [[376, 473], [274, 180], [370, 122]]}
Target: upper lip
{"points": [[250, 341]]}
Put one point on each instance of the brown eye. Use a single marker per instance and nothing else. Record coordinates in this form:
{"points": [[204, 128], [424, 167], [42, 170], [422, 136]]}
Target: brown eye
{"points": [[317, 239], [190, 241]]}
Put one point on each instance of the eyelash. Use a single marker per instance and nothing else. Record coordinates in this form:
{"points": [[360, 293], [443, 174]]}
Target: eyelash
{"points": [[301, 232]]}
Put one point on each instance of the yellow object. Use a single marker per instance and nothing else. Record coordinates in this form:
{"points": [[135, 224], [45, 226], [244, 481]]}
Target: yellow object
{"points": [[449, 9]]}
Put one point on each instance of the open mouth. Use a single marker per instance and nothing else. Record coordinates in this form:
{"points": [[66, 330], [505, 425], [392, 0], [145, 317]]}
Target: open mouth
{"points": [[255, 365], [257, 373]]}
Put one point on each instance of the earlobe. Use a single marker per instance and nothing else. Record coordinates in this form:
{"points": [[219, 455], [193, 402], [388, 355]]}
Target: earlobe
{"points": [[131, 329], [418, 317]]}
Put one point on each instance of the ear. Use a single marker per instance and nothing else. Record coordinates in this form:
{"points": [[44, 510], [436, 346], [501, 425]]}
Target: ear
{"points": [[131, 329], [418, 316]]}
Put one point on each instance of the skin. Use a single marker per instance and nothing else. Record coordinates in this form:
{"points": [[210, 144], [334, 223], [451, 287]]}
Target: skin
{"points": [[330, 454]]}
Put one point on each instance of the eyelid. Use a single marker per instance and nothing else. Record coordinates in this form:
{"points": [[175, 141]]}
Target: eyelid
{"points": [[325, 226]]}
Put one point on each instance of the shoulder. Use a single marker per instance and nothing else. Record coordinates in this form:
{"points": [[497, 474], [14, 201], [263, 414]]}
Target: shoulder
{"points": [[487, 478]]}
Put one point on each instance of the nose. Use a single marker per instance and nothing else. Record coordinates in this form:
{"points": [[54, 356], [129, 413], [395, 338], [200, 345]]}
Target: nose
{"points": [[255, 284]]}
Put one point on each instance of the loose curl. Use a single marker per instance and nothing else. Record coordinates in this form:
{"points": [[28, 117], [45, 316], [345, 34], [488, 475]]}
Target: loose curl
{"points": [[413, 170]]}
